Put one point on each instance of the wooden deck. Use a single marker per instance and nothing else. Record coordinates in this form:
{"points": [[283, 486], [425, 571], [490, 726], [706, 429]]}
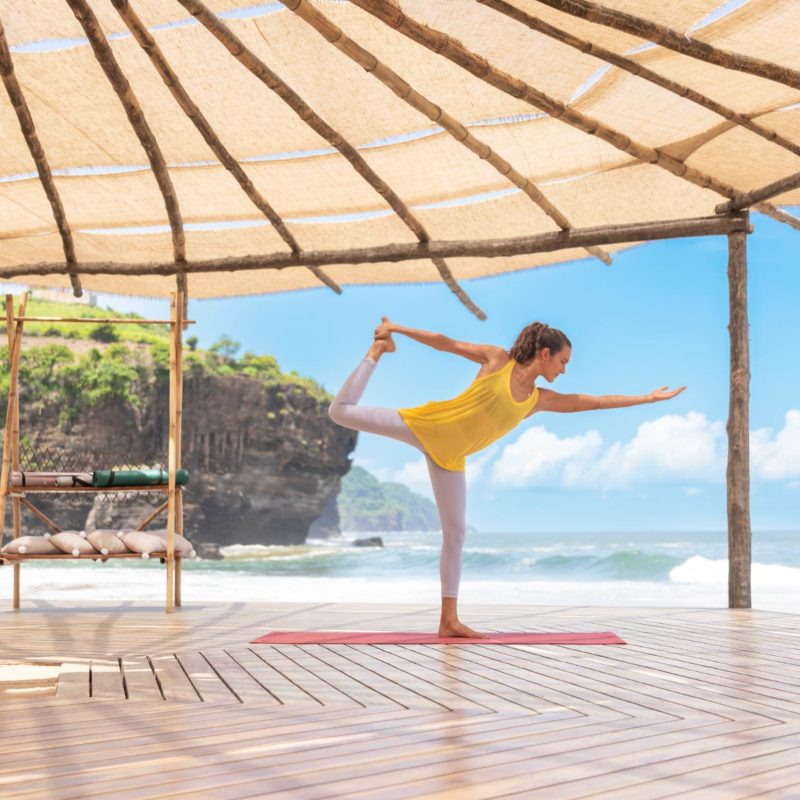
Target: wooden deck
{"points": [[700, 703]]}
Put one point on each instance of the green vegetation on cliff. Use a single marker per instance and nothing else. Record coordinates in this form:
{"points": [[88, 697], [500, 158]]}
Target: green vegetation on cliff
{"points": [[124, 360], [366, 504]]}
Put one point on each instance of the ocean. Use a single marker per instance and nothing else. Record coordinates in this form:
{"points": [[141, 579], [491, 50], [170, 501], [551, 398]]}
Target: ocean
{"points": [[575, 569]]}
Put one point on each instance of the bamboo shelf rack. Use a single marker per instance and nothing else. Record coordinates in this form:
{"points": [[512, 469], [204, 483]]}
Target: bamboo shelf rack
{"points": [[173, 505]]}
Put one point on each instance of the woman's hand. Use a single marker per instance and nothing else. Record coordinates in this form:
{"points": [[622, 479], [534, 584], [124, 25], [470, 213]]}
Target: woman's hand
{"points": [[662, 394], [384, 329]]}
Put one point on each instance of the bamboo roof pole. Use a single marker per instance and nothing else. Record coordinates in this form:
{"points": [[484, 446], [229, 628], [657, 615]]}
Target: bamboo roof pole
{"points": [[15, 425], [257, 67], [335, 36], [179, 327], [738, 428], [755, 196], [16, 510], [14, 351], [182, 285], [28, 128], [633, 67], [481, 248], [193, 112], [673, 40], [105, 57], [12, 431], [174, 305], [12, 410], [453, 50]]}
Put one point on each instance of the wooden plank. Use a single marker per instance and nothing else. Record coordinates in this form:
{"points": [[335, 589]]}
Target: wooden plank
{"points": [[204, 679], [552, 692], [365, 743], [309, 658], [373, 767], [140, 679], [238, 680], [175, 686], [188, 727], [326, 693], [73, 681], [448, 692], [272, 680], [653, 694], [734, 779], [106, 680], [653, 676], [412, 691], [166, 754], [769, 695]]}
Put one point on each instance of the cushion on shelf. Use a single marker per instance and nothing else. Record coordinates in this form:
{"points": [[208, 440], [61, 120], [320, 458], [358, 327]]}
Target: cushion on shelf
{"points": [[182, 545], [72, 542], [107, 542], [142, 542], [30, 545]]}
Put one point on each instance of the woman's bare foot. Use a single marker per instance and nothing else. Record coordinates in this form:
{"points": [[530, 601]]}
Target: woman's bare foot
{"points": [[453, 629], [384, 333], [379, 347]]}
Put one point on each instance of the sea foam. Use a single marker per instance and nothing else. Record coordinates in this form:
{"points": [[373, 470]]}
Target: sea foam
{"points": [[699, 570]]}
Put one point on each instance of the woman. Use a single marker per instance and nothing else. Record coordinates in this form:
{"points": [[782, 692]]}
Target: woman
{"points": [[502, 394]]}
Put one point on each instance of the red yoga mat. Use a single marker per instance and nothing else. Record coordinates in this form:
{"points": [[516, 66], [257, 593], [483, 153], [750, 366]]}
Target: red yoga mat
{"points": [[370, 637]]}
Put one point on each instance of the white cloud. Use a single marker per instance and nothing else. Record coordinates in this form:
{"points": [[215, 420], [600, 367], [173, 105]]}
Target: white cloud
{"points": [[673, 449], [670, 449], [539, 457], [778, 458]]}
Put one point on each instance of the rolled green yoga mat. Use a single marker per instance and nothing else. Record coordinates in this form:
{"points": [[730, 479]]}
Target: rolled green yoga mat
{"points": [[137, 477]]}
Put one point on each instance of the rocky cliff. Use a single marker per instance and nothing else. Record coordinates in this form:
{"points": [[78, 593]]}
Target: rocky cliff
{"points": [[263, 456], [367, 504]]}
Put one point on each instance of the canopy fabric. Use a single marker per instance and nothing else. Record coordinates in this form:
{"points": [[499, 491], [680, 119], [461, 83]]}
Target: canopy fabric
{"points": [[116, 213]]}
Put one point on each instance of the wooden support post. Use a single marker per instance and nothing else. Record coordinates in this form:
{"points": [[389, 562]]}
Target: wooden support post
{"points": [[54, 526], [10, 454], [172, 453], [738, 471], [181, 316]]}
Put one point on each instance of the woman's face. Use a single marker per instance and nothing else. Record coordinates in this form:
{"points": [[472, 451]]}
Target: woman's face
{"points": [[555, 364]]}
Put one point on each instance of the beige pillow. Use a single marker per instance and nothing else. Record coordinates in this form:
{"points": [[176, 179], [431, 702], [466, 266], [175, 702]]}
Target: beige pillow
{"points": [[32, 545], [107, 542], [72, 542], [142, 542], [182, 545]]}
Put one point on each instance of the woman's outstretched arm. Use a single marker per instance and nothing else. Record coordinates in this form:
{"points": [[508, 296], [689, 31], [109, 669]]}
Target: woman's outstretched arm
{"points": [[566, 403], [481, 353]]}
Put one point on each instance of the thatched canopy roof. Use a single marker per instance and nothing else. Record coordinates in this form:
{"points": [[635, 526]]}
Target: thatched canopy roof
{"points": [[141, 139]]}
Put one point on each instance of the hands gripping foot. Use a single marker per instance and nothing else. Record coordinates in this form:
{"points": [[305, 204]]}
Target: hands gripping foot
{"points": [[383, 337]]}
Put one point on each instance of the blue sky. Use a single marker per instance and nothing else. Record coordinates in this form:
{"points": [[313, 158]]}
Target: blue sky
{"points": [[657, 316]]}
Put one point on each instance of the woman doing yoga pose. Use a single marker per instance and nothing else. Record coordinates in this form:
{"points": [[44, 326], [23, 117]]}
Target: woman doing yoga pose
{"points": [[502, 394]]}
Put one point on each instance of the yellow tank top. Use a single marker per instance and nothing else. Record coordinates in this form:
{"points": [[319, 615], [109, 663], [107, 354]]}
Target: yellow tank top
{"points": [[452, 429]]}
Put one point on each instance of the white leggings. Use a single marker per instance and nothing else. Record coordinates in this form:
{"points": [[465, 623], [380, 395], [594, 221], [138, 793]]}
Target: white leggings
{"points": [[449, 486]]}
